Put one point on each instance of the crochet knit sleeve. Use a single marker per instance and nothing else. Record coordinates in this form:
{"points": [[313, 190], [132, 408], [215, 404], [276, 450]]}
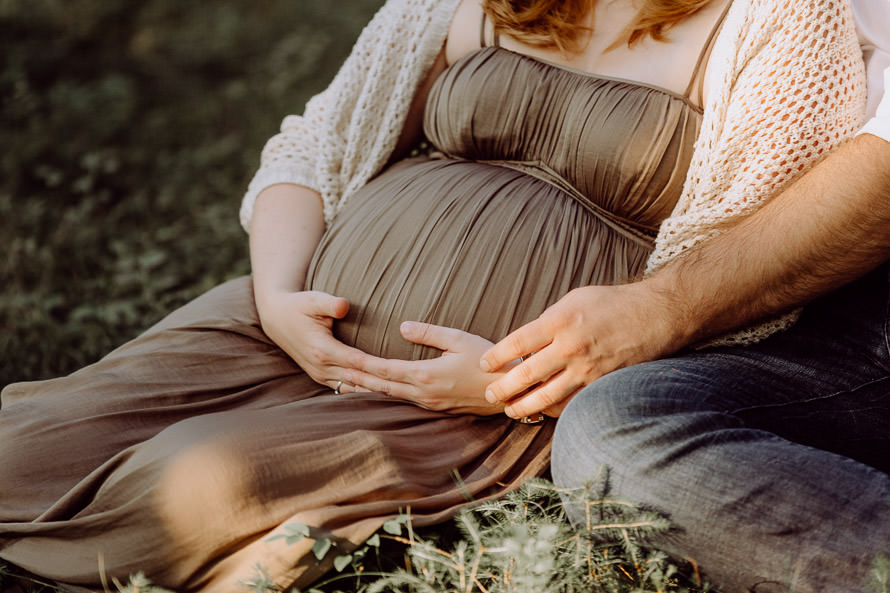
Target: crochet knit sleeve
{"points": [[791, 89], [348, 131]]}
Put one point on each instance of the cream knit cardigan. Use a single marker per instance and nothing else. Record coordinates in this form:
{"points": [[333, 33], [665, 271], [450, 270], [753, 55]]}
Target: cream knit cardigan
{"points": [[786, 85]]}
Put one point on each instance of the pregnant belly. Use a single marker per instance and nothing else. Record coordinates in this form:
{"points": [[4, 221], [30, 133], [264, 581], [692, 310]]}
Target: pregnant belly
{"points": [[462, 244]]}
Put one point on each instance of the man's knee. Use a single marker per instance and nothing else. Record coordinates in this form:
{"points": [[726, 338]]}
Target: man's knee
{"points": [[628, 419], [585, 439]]}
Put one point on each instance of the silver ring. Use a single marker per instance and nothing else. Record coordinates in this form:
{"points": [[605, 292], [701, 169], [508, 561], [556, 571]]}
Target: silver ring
{"points": [[337, 388]]}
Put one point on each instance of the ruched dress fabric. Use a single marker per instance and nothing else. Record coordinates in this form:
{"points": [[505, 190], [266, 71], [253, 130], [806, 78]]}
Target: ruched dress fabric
{"points": [[182, 452]]}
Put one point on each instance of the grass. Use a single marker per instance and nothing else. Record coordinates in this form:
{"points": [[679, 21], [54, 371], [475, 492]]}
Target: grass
{"points": [[128, 134], [525, 544]]}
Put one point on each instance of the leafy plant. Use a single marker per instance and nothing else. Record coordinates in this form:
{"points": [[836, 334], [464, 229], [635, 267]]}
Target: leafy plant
{"points": [[523, 543], [879, 577]]}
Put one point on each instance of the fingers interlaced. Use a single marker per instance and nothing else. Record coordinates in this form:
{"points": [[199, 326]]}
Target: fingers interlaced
{"points": [[532, 371], [546, 395], [522, 342]]}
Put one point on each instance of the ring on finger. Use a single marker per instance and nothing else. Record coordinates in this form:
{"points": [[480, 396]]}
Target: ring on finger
{"points": [[337, 388], [533, 419]]}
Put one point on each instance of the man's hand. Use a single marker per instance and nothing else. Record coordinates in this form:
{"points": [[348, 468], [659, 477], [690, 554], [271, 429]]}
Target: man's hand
{"points": [[591, 331]]}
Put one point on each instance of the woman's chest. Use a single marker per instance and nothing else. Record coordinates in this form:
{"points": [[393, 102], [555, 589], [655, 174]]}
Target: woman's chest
{"points": [[623, 145]]}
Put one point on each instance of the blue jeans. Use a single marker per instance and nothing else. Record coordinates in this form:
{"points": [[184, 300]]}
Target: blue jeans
{"points": [[771, 460]]}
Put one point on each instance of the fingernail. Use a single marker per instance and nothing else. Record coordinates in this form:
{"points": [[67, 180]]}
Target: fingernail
{"points": [[489, 396], [485, 366], [408, 327]]}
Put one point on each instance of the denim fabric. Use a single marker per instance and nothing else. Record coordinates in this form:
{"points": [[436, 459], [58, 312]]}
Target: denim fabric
{"points": [[771, 461]]}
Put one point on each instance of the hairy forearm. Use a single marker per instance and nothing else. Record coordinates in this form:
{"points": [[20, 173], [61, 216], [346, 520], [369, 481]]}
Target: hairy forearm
{"points": [[830, 227], [287, 224]]}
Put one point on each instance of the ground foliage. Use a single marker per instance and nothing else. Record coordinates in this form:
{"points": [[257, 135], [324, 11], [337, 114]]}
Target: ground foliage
{"points": [[522, 543], [128, 132]]}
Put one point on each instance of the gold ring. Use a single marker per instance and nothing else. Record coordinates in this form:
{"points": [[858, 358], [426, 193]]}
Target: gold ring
{"points": [[536, 419]]}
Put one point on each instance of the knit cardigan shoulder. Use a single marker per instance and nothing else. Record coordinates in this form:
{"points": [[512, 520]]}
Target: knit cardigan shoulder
{"points": [[348, 131], [786, 85]]}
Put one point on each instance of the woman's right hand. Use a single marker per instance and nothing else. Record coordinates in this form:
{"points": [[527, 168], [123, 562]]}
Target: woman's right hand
{"points": [[300, 324], [287, 225]]}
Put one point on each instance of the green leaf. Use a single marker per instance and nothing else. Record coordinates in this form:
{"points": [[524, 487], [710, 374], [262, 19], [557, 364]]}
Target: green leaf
{"points": [[321, 547], [297, 529], [341, 562], [293, 533], [393, 527], [374, 540]]}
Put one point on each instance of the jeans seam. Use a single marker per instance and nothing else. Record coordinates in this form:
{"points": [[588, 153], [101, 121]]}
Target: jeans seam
{"points": [[886, 325], [812, 399]]}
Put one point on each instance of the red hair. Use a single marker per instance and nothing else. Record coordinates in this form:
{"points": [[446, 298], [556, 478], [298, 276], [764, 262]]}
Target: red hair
{"points": [[557, 23]]}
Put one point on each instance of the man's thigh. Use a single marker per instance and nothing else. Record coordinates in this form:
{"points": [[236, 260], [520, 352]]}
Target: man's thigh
{"points": [[750, 450]]}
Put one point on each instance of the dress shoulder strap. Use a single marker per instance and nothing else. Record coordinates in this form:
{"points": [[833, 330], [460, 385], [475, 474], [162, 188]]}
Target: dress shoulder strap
{"points": [[496, 38], [697, 78]]}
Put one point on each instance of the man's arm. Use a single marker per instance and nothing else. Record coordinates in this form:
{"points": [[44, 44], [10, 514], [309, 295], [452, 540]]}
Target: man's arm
{"points": [[829, 227], [826, 229]]}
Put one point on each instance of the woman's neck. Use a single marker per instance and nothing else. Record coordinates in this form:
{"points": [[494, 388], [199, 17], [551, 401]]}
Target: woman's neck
{"points": [[669, 64]]}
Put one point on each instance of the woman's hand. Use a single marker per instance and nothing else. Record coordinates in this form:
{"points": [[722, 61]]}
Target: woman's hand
{"points": [[287, 224], [300, 324], [453, 382], [591, 331]]}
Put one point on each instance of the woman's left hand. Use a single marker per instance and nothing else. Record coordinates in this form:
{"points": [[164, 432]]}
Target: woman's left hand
{"points": [[453, 382]]}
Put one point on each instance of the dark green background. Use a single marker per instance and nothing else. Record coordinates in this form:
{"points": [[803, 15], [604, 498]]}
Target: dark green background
{"points": [[128, 132]]}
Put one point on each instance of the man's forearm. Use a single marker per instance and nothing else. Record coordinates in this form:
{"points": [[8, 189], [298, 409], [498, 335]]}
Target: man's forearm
{"points": [[828, 228]]}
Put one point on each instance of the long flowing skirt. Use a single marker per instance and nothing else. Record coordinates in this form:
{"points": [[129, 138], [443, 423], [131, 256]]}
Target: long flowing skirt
{"points": [[184, 451]]}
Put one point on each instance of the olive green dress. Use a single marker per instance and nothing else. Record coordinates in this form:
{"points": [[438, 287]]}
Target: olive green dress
{"points": [[183, 451]]}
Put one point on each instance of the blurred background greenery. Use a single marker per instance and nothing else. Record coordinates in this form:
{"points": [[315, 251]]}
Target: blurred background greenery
{"points": [[128, 132]]}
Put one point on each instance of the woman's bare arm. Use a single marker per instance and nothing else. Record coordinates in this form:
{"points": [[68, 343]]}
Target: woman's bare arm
{"points": [[287, 224], [285, 229]]}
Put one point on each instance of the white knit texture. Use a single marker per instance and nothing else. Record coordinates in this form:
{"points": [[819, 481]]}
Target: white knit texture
{"points": [[786, 85], [348, 131]]}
